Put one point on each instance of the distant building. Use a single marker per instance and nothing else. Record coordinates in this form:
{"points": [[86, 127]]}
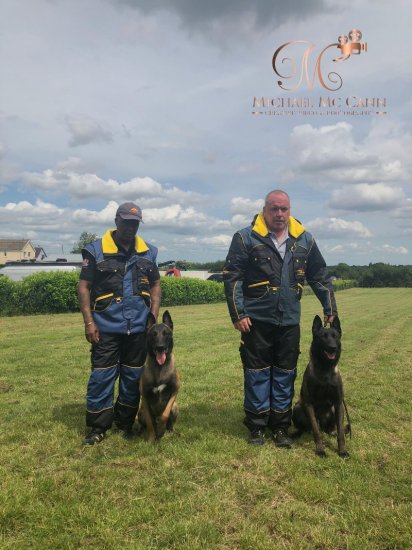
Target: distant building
{"points": [[40, 253], [16, 250]]}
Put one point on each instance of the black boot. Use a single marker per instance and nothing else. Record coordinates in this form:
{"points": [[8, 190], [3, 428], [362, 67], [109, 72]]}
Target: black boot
{"points": [[281, 438], [256, 437], [94, 436]]}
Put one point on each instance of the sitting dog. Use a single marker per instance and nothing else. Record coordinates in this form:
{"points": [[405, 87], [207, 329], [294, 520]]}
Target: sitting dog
{"points": [[321, 405], [159, 383]]}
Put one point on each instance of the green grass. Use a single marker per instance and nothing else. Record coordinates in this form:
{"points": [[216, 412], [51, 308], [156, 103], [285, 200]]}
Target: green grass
{"points": [[204, 487]]}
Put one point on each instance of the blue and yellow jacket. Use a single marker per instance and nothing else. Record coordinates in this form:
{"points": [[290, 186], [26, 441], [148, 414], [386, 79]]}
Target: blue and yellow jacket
{"points": [[261, 285], [120, 293]]}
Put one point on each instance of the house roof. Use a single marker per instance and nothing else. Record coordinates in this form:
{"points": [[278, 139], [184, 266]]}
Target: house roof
{"points": [[38, 250], [13, 245]]}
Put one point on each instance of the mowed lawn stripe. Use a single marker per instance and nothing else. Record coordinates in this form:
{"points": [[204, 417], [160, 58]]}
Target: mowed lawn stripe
{"points": [[204, 487]]}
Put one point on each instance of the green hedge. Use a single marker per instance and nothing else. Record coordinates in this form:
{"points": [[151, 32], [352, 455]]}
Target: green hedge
{"points": [[39, 293], [188, 291], [57, 293], [7, 296], [338, 284]]}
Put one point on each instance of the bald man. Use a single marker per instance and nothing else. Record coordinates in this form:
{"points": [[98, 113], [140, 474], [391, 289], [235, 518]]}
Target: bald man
{"points": [[264, 274]]}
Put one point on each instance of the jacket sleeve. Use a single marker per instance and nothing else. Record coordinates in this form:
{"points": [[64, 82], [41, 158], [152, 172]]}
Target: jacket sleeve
{"points": [[233, 275], [318, 279], [154, 273]]}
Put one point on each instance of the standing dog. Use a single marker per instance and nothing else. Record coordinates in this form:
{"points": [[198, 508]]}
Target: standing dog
{"points": [[159, 383], [321, 405]]}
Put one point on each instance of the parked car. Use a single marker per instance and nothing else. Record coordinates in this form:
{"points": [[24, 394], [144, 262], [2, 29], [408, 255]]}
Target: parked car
{"points": [[217, 277], [173, 272]]}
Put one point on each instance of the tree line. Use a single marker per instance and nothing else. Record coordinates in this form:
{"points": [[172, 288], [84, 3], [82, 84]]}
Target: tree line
{"points": [[372, 275], [375, 275]]}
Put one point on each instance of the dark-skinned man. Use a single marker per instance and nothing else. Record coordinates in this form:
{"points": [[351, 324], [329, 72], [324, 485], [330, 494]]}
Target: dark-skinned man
{"points": [[119, 286], [264, 274]]}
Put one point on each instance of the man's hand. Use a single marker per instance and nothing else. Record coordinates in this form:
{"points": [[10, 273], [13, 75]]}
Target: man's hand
{"points": [[243, 325], [92, 333], [328, 319]]}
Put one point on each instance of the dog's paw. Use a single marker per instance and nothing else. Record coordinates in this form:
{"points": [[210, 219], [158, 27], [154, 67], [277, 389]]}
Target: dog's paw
{"points": [[344, 454], [320, 453]]}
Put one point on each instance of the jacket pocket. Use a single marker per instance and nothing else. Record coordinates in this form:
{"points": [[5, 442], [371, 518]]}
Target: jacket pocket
{"points": [[109, 276], [142, 274], [103, 302], [260, 264], [257, 290]]}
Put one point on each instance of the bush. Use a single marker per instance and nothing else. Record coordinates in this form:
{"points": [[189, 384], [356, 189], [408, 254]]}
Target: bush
{"points": [[338, 284], [50, 293], [186, 291], [343, 284], [57, 293], [39, 293], [7, 296]]}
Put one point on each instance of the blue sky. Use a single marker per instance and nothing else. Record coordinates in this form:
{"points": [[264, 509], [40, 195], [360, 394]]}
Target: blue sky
{"points": [[108, 101]]}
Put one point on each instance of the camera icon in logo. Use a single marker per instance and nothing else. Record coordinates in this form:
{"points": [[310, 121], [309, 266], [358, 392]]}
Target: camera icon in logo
{"points": [[350, 44]]}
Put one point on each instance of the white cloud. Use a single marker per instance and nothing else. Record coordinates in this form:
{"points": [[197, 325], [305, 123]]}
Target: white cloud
{"points": [[394, 249], [173, 218], [359, 248], [41, 216], [146, 191], [326, 147], [72, 164], [84, 129], [188, 135], [331, 228], [243, 210], [365, 250], [91, 217], [366, 197], [390, 139], [404, 212], [219, 242], [241, 205], [330, 154]]}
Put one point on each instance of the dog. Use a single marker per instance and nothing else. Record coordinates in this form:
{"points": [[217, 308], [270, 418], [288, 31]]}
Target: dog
{"points": [[321, 403], [159, 383]]}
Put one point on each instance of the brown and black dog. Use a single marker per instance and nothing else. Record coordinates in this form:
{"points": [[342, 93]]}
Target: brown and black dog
{"points": [[321, 405], [159, 383]]}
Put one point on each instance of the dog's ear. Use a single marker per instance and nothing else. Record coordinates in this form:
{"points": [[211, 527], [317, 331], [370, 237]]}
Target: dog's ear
{"points": [[317, 324], [167, 319], [336, 324], [151, 320]]}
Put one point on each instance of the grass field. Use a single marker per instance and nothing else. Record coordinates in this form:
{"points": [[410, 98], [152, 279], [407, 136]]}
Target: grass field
{"points": [[204, 487]]}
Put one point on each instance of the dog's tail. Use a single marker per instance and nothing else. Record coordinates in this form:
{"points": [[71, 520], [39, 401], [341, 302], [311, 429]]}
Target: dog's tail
{"points": [[348, 428]]}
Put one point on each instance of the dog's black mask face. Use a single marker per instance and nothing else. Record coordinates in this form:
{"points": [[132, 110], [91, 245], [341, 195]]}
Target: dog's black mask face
{"points": [[160, 338], [326, 344]]}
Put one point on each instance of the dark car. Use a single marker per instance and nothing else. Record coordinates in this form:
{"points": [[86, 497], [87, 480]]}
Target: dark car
{"points": [[217, 277]]}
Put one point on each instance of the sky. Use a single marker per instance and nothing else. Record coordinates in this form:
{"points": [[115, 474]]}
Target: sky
{"points": [[108, 101]]}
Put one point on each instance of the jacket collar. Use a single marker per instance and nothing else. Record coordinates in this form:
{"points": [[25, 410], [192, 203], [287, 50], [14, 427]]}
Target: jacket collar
{"points": [[110, 247], [295, 228]]}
